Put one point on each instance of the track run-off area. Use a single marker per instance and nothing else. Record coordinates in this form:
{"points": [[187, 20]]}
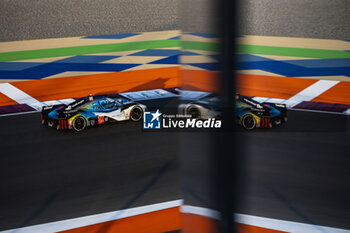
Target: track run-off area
{"points": [[114, 174]]}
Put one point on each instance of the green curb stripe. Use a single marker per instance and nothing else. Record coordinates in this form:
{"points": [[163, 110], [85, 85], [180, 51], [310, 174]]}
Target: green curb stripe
{"points": [[88, 49], [293, 52], [198, 45], [187, 45], [270, 50]]}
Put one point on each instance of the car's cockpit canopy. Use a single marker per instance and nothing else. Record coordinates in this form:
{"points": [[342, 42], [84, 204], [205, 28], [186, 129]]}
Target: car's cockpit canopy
{"points": [[108, 103]]}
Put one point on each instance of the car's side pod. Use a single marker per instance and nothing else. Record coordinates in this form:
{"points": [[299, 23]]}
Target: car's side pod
{"points": [[127, 105]]}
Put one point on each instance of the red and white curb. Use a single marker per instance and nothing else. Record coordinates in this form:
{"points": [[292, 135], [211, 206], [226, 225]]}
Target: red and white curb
{"points": [[268, 223], [94, 219]]}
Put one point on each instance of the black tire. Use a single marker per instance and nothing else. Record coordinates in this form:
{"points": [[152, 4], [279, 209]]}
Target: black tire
{"points": [[248, 122], [79, 124], [194, 112], [136, 113]]}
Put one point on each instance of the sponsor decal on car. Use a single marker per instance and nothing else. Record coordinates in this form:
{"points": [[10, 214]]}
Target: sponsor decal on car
{"points": [[101, 120], [69, 107]]}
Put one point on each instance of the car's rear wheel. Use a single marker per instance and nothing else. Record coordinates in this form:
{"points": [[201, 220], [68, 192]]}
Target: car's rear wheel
{"points": [[248, 122], [136, 113], [193, 112], [79, 124]]}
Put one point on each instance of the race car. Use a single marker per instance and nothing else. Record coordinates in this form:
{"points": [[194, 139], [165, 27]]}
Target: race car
{"points": [[248, 113], [90, 111]]}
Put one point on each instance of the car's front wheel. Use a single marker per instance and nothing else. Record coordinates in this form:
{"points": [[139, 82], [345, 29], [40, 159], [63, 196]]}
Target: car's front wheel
{"points": [[248, 122], [136, 113], [194, 112], [79, 124]]}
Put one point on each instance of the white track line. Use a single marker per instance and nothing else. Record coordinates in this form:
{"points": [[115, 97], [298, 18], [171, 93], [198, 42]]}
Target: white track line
{"points": [[94, 219], [18, 113], [268, 223], [287, 226], [19, 96], [310, 92], [214, 214], [319, 111]]}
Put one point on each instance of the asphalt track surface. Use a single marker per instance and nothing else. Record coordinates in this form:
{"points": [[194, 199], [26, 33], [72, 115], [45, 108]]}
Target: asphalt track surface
{"points": [[298, 171], [294, 172], [48, 175]]}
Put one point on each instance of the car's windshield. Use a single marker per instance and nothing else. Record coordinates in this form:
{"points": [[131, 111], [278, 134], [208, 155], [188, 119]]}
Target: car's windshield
{"points": [[108, 103], [120, 101], [213, 100]]}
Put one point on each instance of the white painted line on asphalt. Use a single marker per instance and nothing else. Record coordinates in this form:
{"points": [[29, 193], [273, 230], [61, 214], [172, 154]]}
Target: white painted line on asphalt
{"points": [[94, 219], [268, 223], [310, 92], [18, 113], [19, 96], [347, 112], [317, 111], [188, 209], [283, 225]]}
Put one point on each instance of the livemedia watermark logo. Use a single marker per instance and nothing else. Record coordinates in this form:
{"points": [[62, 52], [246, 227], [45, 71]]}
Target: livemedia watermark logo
{"points": [[152, 120], [157, 120]]}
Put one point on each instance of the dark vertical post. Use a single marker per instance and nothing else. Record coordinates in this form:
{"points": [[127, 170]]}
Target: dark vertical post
{"points": [[207, 159], [225, 143]]}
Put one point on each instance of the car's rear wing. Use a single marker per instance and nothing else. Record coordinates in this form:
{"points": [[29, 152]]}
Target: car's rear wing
{"points": [[149, 95]]}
